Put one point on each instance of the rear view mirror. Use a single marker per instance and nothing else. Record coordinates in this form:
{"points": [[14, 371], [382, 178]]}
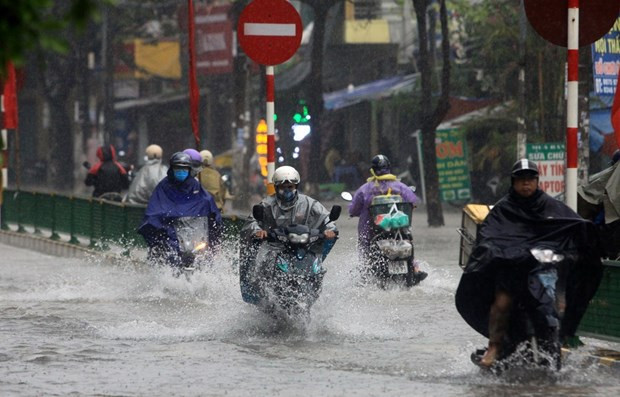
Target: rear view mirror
{"points": [[413, 188], [334, 214], [346, 196], [258, 212]]}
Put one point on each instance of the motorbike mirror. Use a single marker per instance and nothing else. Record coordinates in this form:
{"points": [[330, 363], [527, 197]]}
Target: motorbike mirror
{"points": [[413, 188], [258, 213], [334, 214], [86, 165], [346, 196]]}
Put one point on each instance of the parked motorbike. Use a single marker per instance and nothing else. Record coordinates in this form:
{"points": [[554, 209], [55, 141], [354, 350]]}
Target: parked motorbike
{"points": [[533, 334], [391, 251], [286, 274]]}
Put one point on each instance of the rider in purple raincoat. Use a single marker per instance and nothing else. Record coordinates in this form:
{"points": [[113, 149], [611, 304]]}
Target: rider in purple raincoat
{"points": [[378, 184]]}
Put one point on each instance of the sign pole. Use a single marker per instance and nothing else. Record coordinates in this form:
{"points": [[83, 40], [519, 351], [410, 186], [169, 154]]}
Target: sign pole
{"points": [[572, 107], [271, 146]]}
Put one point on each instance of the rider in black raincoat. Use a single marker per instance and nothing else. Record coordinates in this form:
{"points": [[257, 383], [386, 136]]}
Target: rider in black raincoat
{"points": [[501, 260]]}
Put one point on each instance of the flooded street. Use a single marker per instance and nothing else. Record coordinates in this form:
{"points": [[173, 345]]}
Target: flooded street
{"points": [[87, 327]]}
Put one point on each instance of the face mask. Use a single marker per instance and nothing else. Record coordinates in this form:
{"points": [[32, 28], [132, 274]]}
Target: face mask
{"points": [[181, 175], [287, 195]]}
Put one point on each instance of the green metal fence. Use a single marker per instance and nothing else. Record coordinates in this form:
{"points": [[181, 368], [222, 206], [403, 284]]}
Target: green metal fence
{"points": [[101, 222], [602, 319]]}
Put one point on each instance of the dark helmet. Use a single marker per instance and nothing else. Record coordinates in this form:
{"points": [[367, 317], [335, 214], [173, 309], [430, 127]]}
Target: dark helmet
{"points": [[524, 167], [380, 164], [180, 159], [615, 157]]}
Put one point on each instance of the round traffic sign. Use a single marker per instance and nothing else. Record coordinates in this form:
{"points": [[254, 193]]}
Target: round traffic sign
{"points": [[269, 31], [549, 19]]}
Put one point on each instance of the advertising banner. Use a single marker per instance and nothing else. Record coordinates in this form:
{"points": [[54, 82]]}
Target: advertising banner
{"points": [[452, 166], [214, 40], [550, 160], [606, 61]]}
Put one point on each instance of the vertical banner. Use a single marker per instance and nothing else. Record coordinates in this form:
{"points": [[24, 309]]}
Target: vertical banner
{"points": [[550, 160], [214, 40], [10, 99], [606, 62], [194, 96], [452, 167], [615, 113]]}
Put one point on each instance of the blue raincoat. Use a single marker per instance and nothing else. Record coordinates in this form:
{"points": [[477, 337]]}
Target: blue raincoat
{"points": [[171, 200]]}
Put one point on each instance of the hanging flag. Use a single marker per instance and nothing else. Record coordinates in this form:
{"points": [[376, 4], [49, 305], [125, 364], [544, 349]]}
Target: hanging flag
{"points": [[10, 98], [615, 112], [194, 96]]}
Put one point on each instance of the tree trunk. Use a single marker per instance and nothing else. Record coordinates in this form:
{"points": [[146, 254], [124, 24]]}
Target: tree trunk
{"points": [[315, 92], [62, 165], [432, 118]]}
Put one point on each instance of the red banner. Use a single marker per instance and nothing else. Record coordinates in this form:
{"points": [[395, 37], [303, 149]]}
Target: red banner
{"points": [[214, 40], [10, 99], [194, 95]]}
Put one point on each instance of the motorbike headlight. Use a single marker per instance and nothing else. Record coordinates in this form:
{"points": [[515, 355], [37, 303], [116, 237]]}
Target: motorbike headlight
{"points": [[543, 255], [298, 238], [200, 247]]}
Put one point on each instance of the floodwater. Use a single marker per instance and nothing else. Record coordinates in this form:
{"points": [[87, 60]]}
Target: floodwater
{"points": [[87, 327]]}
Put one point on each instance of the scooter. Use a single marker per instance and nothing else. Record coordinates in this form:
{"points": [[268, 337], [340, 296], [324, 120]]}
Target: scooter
{"points": [[391, 252], [193, 241], [286, 274], [533, 334]]}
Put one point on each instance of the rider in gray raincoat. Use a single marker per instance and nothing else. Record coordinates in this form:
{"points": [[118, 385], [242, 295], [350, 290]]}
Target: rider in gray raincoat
{"points": [[286, 207], [148, 177]]}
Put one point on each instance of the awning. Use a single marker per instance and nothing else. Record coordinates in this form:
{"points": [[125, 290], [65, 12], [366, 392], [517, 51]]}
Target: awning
{"points": [[370, 91]]}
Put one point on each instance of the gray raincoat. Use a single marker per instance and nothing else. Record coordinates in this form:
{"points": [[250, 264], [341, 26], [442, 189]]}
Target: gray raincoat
{"points": [[304, 211], [145, 181]]}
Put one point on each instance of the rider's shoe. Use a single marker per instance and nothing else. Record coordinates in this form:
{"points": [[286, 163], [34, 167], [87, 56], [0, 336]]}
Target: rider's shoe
{"points": [[419, 276]]}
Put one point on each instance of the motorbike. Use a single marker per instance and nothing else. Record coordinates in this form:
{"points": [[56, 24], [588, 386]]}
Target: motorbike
{"points": [[193, 240], [391, 251], [533, 335], [285, 274]]}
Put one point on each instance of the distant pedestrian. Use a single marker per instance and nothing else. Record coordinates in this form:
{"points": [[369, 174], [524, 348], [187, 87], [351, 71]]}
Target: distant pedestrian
{"points": [[108, 175], [148, 176], [211, 179]]}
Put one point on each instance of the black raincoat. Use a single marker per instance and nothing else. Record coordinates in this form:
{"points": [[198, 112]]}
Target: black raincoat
{"points": [[511, 229]]}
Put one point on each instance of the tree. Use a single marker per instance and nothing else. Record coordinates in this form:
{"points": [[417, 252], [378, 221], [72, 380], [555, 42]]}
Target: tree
{"points": [[431, 118], [26, 24], [315, 82]]}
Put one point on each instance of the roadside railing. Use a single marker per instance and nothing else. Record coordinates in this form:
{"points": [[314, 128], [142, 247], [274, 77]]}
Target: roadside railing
{"points": [[100, 222]]}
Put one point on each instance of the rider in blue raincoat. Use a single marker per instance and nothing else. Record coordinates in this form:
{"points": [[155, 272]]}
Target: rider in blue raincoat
{"points": [[176, 196]]}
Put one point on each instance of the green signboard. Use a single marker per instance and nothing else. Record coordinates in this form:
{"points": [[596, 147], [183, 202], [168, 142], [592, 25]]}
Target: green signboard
{"points": [[454, 181]]}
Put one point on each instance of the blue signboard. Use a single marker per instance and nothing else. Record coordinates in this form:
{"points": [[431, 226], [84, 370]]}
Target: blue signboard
{"points": [[606, 61]]}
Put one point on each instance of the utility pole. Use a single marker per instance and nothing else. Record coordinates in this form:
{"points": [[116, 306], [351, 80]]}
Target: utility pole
{"points": [[521, 132]]}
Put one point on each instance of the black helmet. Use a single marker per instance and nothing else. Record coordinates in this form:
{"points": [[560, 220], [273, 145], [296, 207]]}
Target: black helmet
{"points": [[615, 157], [180, 159], [524, 167], [380, 164]]}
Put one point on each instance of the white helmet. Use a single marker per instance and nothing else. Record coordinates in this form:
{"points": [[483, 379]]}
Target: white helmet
{"points": [[286, 173], [207, 157], [153, 152]]}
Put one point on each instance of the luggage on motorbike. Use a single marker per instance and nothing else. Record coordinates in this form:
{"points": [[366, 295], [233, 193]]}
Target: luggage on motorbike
{"points": [[390, 211], [473, 216]]}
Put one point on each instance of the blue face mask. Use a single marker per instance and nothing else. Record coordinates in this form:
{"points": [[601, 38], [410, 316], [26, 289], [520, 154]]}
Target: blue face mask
{"points": [[181, 174], [287, 195]]}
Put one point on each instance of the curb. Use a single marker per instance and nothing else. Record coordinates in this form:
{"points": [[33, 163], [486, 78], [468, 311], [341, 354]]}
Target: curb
{"points": [[606, 357], [64, 249]]}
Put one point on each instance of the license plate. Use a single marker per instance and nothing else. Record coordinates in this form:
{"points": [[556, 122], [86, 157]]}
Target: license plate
{"points": [[397, 267]]}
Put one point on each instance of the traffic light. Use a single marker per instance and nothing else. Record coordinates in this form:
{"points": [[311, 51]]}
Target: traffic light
{"points": [[302, 116], [261, 145]]}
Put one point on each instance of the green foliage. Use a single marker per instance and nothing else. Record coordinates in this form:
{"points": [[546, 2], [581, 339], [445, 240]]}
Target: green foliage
{"points": [[495, 56], [25, 24]]}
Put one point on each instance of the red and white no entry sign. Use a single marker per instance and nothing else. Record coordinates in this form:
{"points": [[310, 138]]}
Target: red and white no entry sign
{"points": [[269, 31]]}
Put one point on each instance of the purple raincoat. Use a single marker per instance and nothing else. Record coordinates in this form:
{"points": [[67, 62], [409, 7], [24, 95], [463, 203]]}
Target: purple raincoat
{"points": [[360, 206]]}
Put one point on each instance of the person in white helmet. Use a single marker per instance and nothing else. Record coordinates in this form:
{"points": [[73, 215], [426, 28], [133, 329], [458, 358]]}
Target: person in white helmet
{"points": [[286, 207], [211, 179], [148, 176]]}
